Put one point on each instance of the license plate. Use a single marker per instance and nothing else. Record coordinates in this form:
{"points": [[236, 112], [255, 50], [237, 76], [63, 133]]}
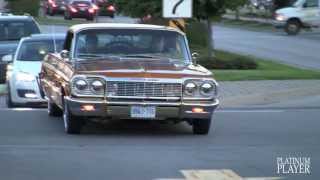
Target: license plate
{"points": [[83, 9], [146, 112]]}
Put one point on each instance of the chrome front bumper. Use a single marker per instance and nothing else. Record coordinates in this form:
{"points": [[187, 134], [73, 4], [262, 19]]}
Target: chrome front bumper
{"points": [[121, 109]]}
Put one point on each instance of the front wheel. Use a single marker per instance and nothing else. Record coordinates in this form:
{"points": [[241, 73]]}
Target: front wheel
{"points": [[53, 109], [293, 27], [67, 16], [201, 126], [72, 124]]}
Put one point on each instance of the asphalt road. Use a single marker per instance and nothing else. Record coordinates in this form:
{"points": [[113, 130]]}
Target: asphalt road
{"points": [[34, 146], [301, 50]]}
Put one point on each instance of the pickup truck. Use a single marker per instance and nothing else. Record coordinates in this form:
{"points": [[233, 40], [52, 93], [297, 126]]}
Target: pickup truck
{"points": [[128, 71], [301, 15]]}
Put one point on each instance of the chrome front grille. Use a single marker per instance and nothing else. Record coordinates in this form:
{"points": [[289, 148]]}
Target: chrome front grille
{"points": [[141, 90]]}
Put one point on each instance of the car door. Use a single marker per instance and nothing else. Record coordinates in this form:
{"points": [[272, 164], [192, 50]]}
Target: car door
{"points": [[310, 12]]}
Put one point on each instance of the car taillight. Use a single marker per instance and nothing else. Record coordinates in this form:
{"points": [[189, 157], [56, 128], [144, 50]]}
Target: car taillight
{"points": [[91, 10], [72, 9], [111, 8], [95, 7], [52, 3]]}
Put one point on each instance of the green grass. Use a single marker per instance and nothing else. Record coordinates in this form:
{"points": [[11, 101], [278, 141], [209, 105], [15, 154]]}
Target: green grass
{"points": [[250, 25], [267, 70], [2, 89], [53, 21]]}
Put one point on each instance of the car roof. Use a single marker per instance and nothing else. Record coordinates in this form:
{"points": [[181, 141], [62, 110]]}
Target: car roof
{"points": [[80, 27], [44, 37], [9, 17]]}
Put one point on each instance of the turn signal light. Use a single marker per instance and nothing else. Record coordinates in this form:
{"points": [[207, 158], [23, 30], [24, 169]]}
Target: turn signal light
{"points": [[197, 110], [88, 108]]}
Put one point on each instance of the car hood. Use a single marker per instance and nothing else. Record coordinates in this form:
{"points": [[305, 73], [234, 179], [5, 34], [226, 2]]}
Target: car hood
{"points": [[8, 47], [30, 67], [286, 10], [142, 69]]}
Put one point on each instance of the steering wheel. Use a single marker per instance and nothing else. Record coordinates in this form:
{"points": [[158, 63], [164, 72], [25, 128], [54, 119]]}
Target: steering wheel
{"points": [[119, 46]]}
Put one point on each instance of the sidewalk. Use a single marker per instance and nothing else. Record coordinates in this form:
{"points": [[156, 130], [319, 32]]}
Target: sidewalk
{"points": [[249, 19], [287, 93]]}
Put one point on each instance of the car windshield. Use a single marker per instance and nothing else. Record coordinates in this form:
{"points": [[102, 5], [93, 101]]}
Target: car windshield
{"points": [[15, 30], [36, 50], [131, 43]]}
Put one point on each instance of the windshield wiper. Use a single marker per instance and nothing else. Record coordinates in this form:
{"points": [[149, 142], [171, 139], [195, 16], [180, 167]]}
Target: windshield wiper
{"points": [[141, 56], [90, 55]]}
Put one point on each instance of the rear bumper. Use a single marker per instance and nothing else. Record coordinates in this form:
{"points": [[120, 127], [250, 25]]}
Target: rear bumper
{"points": [[121, 110]]}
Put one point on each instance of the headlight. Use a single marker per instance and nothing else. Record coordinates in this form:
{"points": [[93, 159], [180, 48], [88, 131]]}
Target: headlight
{"points": [[22, 76], [81, 84], [197, 89], [280, 17], [88, 86], [207, 89], [97, 85], [190, 88]]}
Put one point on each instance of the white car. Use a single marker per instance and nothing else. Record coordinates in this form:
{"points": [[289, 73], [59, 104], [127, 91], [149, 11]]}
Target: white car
{"points": [[22, 74], [302, 14]]}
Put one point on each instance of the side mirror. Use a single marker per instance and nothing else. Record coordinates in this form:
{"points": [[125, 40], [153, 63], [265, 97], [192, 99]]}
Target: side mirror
{"points": [[195, 57], [7, 58], [64, 54]]}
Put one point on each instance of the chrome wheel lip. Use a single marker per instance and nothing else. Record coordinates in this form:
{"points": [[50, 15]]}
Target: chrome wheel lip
{"points": [[65, 118]]}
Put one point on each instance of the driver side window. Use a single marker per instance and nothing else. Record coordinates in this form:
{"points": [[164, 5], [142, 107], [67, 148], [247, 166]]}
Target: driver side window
{"points": [[311, 3]]}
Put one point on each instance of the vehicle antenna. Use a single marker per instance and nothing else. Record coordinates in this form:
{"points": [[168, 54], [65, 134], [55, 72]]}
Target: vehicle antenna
{"points": [[54, 38]]}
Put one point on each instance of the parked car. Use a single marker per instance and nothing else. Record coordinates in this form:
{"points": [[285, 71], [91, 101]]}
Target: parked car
{"points": [[302, 14], [23, 81], [81, 9], [128, 71], [55, 6], [12, 29], [106, 7]]}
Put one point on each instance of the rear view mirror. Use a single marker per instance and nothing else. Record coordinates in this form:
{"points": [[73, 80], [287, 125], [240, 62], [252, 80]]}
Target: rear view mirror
{"points": [[195, 57], [64, 54], [7, 58]]}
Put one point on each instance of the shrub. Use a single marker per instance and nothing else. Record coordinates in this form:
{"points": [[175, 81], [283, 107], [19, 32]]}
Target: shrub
{"points": [[24, 6], [240, 62]]}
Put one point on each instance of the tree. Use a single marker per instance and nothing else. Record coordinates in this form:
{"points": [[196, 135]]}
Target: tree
{"points": [[203, 10]]}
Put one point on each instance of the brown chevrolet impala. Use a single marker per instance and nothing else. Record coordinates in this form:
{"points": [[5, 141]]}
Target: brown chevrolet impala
{"points": [[122, 71]]}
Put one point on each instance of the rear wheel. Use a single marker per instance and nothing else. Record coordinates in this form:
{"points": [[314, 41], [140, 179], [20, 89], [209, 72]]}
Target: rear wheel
{"points": [[53, 109], [67, 16], [72, 124], [50, 11], [90, 18], [293, 27], [201, 126]]}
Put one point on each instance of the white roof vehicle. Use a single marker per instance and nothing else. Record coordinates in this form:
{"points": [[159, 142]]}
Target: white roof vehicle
{"points": [[302, 14]]}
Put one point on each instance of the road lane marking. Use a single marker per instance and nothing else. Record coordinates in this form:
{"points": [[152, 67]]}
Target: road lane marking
{"points": [[251, 111]]}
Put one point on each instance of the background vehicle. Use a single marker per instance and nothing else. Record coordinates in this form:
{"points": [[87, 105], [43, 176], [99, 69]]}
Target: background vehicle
{"points": [[23, 87], [81, 9], [55, 6], [128, 71], [106, 7], [302, 14], [12, 29]]}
